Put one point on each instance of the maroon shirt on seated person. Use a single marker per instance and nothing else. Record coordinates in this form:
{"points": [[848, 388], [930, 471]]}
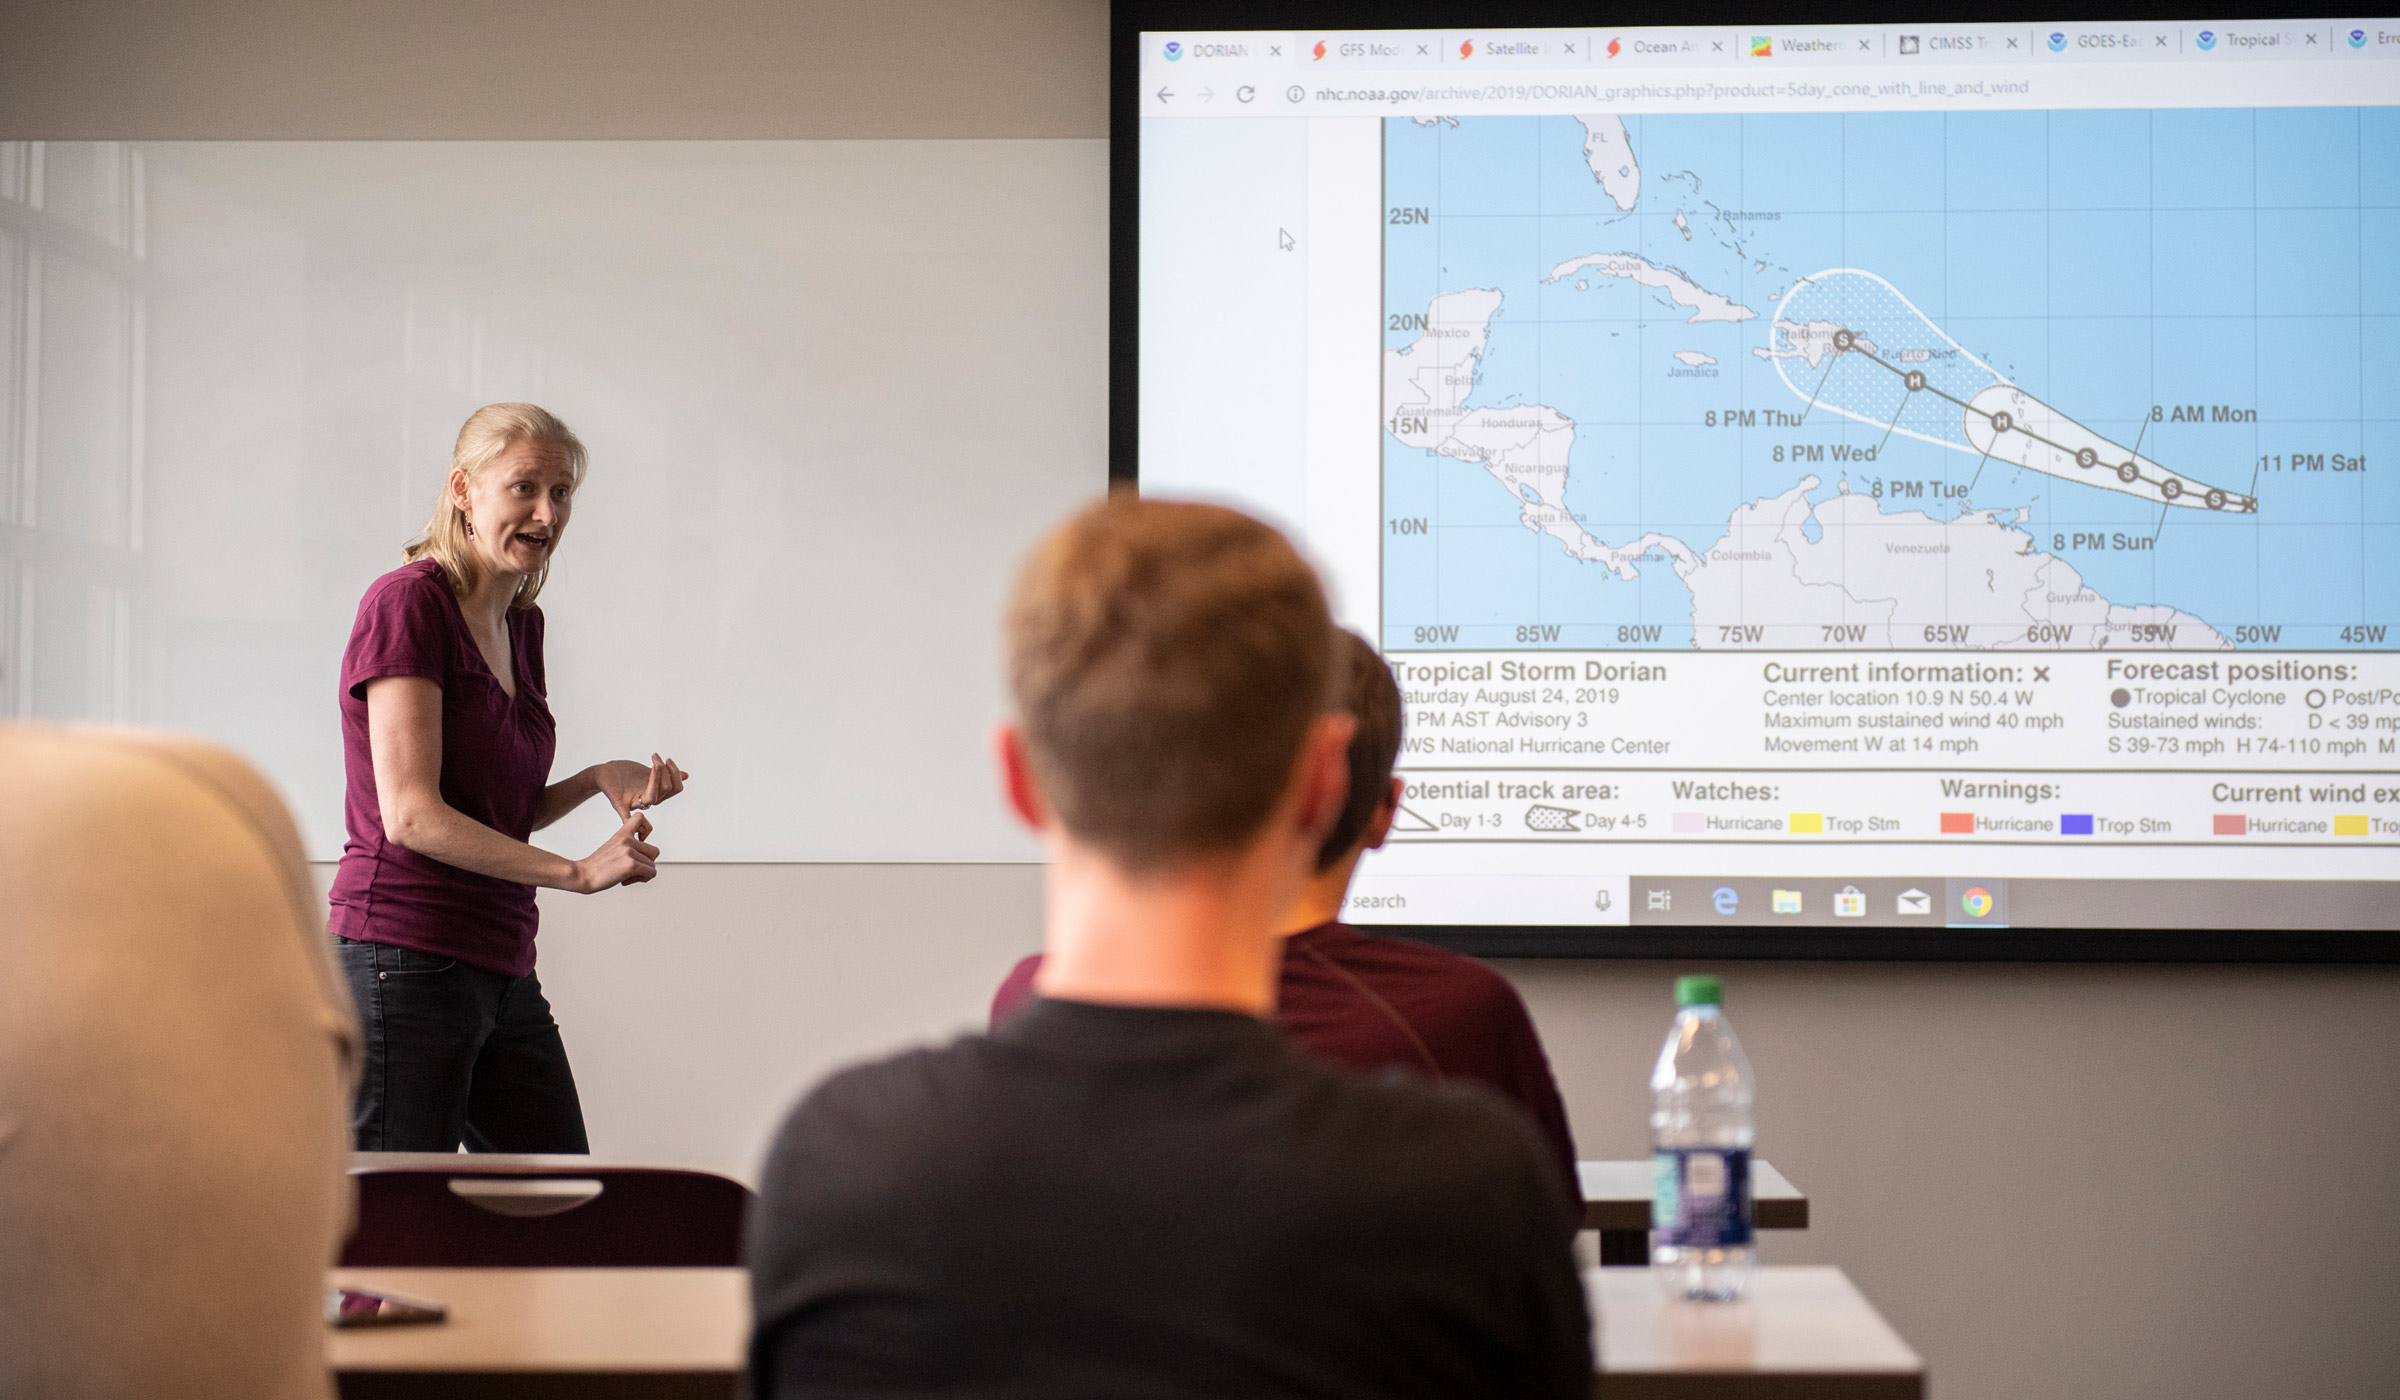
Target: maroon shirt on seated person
{"points": [[496, 755], [1366, 1003]]}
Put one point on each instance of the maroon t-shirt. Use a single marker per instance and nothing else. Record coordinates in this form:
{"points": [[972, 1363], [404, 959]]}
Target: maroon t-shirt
{"points": [[1367, 1003], [496, 755]]}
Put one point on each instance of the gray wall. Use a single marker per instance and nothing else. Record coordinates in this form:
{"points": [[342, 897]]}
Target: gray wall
{"points": [[2056, 1181]]}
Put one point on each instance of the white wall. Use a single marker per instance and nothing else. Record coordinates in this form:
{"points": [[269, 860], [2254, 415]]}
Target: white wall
{"points": [[832, 390], [2057, 1181]]}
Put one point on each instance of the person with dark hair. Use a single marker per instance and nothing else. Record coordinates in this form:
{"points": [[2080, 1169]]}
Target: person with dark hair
{"points": [[1139, 1185], [1368, 1002]]}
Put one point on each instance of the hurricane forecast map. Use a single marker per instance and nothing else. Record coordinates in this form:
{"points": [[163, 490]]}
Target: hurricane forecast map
{"points": [[2000, 381], [1821, 477]]}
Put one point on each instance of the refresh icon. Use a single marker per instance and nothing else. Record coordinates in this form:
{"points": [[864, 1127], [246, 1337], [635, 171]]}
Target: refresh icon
{"points": [[1244, 93]]}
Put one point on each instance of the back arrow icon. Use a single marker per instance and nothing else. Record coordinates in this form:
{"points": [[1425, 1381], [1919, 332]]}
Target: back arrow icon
{"points": [[1163, 94]]}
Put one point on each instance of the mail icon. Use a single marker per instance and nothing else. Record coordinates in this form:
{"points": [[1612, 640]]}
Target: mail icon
{"points": [[1915, 902]]}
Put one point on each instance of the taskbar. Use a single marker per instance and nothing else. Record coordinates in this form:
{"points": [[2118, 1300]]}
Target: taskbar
{"points": [[1536, 903], [1955, 902]]}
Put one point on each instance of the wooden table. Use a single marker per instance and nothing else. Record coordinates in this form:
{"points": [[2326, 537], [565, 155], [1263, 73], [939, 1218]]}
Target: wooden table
{"points": [[1617, 1195], [495, 1163], [1802, 1334], [533, 1334]]}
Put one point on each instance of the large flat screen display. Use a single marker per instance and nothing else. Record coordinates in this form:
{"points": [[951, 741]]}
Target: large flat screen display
{"points": [[1912, 488]]}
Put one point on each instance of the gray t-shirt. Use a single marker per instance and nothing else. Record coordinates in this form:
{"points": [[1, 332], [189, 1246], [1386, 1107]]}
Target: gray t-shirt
{"points": [[1105, 1200]]}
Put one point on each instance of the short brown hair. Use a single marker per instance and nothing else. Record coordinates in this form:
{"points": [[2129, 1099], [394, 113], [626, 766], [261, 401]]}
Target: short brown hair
{"points": [[1371, 696], [1167, 661]]}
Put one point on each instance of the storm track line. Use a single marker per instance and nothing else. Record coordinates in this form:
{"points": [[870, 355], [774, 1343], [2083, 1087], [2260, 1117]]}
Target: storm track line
{"points": [[2000, 422], [1971, 406], [1812, 399]]}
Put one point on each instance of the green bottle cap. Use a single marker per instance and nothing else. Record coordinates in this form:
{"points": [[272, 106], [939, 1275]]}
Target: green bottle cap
{"points": [[1699, 991]]}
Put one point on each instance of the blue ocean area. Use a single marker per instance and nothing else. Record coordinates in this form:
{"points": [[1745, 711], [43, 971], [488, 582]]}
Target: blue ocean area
{"points": [[2215, 290]]}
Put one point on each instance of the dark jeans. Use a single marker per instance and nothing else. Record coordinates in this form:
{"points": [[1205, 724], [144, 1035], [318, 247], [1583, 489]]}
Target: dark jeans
{"points": [[457, 1054]]}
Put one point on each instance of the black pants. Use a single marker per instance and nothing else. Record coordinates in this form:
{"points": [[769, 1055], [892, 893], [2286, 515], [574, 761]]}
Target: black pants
{"points": [[457, 1054]]}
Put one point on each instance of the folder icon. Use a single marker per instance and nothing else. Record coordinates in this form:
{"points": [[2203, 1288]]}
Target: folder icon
{"points": [[1915, 902], [1787, 901]]}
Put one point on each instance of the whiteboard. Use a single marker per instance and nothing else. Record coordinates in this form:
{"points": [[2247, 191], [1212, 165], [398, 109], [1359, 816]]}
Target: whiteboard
{"points": [[831, 391]]}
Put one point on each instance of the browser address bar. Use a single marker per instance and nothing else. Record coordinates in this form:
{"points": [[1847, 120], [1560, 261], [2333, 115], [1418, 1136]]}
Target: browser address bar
{"points": [[1692, 92]]}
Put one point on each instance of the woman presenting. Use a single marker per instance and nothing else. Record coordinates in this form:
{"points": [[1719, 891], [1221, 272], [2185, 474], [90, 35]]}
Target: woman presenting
{"points": [[447, 742]]}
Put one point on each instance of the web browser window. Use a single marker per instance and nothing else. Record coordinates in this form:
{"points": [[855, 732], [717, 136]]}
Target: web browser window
{"points": [[1848, 476]]}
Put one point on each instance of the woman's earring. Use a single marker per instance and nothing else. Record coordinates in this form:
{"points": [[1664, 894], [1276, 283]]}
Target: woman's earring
{"points": [[470, 527]]}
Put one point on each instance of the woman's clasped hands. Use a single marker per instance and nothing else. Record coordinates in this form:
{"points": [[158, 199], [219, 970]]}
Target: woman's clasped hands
{"points": [[627, 858]]}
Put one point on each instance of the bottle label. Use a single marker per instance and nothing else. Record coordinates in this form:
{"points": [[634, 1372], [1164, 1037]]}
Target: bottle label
{"points": [[1701, 1197]]}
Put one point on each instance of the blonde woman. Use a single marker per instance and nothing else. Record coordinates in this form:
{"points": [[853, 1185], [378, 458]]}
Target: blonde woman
{"points": [[447, 743]]}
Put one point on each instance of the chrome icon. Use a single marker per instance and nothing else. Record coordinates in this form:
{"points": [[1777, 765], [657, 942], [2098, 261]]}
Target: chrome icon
{"points": [[1977, 901]]}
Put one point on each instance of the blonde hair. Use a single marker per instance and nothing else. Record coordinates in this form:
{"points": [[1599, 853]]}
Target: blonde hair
{"points": [[490, 431]]}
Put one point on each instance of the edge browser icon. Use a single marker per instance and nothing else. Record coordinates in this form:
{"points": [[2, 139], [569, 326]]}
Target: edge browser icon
{"points": [[1727, 900]]}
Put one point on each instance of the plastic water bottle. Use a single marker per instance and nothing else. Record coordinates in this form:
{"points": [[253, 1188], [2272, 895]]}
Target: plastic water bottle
{"points": [[1701, 1127]]}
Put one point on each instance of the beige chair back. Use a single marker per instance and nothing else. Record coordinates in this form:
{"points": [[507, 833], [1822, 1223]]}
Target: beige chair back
{"points": [[177, 1057]]}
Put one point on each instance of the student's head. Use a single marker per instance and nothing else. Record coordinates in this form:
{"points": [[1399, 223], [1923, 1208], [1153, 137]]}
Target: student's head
{"points": [[1176, 686], [1372, 698], [503, 509]]}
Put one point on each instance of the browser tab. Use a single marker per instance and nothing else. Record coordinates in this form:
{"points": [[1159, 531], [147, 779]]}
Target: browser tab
{"points": [[2110, 43], [1680, 48], [1380, 48], [1846, 44], [1958, 43], [2366, 39], [1185, 52], [1517, 48], [2256, 39]]}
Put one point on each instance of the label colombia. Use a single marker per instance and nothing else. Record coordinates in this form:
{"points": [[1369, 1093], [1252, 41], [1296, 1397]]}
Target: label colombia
{"points": [[1700, 1197]]}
